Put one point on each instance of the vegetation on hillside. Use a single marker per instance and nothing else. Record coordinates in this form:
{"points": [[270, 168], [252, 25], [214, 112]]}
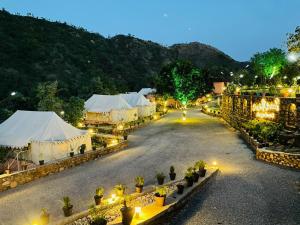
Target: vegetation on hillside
{"points": [[36, 53]]}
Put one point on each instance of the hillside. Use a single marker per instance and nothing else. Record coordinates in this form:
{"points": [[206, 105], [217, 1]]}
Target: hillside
{"points": [[36, 50]]}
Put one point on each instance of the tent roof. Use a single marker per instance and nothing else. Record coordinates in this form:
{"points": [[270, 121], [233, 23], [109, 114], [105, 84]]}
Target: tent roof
{"points": [[135, 99], [146, 91], [26, 126], [105, 103]]}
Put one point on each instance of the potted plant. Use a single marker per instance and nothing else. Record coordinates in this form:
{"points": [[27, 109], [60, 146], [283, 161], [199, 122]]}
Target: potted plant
{"points": [[172, 173], [119, 189], [139, 184], [160, 178], [180, 188], [67, 208], [99, 195], [82, 148], [160, 196], [189, 177], [196, 175], [44, 217], [72, 153], [200, 166], [125, 136], [127, 213], [96, 219]]}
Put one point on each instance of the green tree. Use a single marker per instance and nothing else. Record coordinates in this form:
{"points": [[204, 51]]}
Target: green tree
{"points": [[269, 64], [48, 101], [74, 110], [182, 80]]}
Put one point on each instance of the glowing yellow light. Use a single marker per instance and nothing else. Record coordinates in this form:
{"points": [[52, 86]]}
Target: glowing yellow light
{"points": [[155, 117], [120, 127], [184, 111], [206, 106], [165, 109], [237, 89], [184, 118], [290, 90], [279, 86], [265, 115], [165, 103], [265, 109], [114, 142], [91, 131], [79, 124], [138, 211], [214, 163], [112, 199]]}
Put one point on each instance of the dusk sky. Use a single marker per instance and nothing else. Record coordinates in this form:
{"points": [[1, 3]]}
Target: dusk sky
{"points": [[240, 28]]}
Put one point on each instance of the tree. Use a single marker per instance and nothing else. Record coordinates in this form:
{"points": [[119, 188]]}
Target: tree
{"points": [[268, 64], [181, 80], [293, 42], [48, 101], [74, 110]]}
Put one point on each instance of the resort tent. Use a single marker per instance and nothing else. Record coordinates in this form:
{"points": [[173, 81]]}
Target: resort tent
{"points": [[147, 91], [109, 109], [46, 135], [144, 106]]}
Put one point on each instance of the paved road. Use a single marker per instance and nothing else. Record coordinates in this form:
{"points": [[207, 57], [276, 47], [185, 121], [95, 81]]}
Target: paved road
{"points": [[245, 192]]}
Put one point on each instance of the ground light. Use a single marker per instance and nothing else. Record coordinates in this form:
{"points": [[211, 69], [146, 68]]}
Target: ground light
{"points": [[79, 124], [112, 199], [138, 211], [120, 127], [214, 163], [91, 131], [184, 118], [13, 93], [155, 117]]}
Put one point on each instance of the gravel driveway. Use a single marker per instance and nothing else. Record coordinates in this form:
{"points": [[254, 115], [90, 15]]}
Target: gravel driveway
{"points": [[245, 192]]}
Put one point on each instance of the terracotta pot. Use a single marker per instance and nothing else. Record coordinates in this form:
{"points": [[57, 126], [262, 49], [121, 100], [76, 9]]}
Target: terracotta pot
{"points": [[98, 199], [172, 176], [127, 215], [189, 181], [160, 181], [159, 200], [68, 211], [138, 189], [196, 177], [180, 188], [202, 172]]}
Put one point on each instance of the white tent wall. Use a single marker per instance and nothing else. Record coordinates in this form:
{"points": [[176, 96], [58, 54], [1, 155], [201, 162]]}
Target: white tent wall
{"points": [[50, 151], [98, 118], [124, 116], [146, 111]]}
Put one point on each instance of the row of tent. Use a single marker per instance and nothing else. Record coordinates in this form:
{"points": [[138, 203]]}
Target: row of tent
{"points": [[113, 109], [51, 138]]}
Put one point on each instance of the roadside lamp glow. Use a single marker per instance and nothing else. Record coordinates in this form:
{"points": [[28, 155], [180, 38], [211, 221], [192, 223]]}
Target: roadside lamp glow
{"points": [[256, 76], [62, 113], [120, 127], [138, 211], [242, 75], [91, 131], [13, 93], [284, 77]]}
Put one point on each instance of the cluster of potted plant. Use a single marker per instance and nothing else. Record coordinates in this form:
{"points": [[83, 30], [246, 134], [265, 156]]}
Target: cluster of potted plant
{"points": [[99, 195], [95, 217], [67, 207], [139, 184]]}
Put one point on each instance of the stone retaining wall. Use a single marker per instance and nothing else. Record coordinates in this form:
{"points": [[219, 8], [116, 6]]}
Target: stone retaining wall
{"points": [[13, 180], [281, 158]]}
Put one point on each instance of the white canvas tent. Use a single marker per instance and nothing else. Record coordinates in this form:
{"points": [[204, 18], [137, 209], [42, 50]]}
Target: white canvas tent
{"points": [[144, 106], [147, 91], [49, 137], [110, 109]]}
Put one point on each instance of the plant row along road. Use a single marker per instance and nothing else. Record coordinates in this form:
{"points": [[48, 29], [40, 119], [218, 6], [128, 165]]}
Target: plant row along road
{"points": [[246, 191]]}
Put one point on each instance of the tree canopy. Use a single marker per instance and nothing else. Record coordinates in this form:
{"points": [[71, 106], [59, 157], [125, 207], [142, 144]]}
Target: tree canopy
{"points": [[182, 80]]}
